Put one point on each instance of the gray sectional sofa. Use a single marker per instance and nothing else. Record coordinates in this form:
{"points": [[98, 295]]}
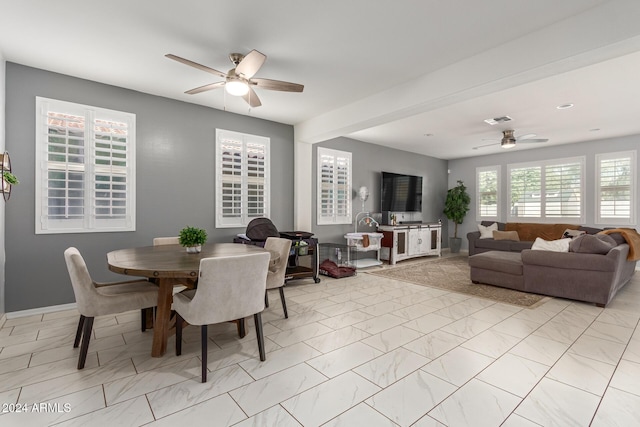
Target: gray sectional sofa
{"points": [[590, 277]]}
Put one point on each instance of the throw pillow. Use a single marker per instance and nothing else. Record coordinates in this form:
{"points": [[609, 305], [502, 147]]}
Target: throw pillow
{"points": [[572, 234], [560, 245], [618, 237], [593, 244], [487, 232], [506, 235]]}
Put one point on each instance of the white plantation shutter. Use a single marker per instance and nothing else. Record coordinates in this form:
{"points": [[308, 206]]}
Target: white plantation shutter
{"points": [[488, 193], [242, 178], [547, 191], [85, 179], [334, 187], [616, 188], [563, 190]]}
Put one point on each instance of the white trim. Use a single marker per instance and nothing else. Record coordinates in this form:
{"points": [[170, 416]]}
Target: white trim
{"points": [[631, 221], [542, 165], [497, 169], [335, 219], [40, 310], [88, 223], [243, 140]]}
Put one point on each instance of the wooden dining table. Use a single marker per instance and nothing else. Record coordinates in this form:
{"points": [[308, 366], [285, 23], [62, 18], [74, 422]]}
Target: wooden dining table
{"points": [[168, 265]]}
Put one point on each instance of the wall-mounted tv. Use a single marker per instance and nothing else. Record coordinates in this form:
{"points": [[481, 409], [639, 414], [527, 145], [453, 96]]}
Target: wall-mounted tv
{"points": [[401, 193]]}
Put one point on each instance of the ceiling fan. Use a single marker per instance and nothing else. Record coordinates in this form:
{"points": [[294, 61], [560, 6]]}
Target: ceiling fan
{"points": [[239, 80], [509, 140]]}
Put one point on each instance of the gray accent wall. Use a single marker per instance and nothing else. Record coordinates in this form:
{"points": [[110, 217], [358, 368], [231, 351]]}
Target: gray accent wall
{"points": [[465, 170], [368, 161], [175, 180]]}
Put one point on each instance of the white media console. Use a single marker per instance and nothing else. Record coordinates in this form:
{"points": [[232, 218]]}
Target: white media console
{"points": [[410, 241]]}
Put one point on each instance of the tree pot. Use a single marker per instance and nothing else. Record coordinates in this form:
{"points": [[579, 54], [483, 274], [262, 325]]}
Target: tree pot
{"points": [[454, 244]]}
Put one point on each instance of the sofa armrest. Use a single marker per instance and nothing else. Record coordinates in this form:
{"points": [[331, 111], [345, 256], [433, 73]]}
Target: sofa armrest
{"points": [[473, 236]]}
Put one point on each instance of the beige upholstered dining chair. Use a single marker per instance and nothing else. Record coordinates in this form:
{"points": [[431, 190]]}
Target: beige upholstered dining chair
{"points": [[229, 288], [98, 299], [275, 278], [159, 241]]}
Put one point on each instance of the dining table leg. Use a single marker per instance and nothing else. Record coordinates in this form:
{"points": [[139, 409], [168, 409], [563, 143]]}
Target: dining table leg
{"points": [[163, 317]]}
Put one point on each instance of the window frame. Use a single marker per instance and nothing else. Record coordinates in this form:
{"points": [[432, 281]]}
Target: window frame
{"points": [[479, 216], [599, 157], [244, 139], [334, 219], [543, 164], [89, 221]]}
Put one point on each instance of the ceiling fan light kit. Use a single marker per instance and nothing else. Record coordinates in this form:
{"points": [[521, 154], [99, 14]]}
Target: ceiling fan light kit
{"points": [[238, 80], [509, 140]]}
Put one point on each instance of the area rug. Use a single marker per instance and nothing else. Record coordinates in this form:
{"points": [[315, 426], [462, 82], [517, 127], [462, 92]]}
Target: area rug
{"points": [[452, 274]]}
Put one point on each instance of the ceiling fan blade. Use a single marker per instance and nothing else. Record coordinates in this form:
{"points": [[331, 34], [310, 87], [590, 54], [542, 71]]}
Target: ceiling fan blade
{"points": [[277, 85], [250, 64], [252, 98], [526, 136], [485, 146], [532, 140], [205, 88], [196, 65]]}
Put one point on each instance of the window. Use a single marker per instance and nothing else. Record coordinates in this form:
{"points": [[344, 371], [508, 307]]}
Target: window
{"points": [[85, 174], [334, 187], [242, 178], [548, 190], [488, 193], [616, 188]]}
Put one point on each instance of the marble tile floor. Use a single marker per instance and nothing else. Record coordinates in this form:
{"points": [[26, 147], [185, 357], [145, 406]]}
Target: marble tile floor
{"points": [[359, 351]]}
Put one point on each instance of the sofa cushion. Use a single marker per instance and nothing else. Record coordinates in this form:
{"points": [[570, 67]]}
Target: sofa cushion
{"points": [[519, 246], [559, 245], [504, 262], [506, 235], [590, 230], [593, 244], [486, 232], [529, 231], [495, 245], [618, 237]]}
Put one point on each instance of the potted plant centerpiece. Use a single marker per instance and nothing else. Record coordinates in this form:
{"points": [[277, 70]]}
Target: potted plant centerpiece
{"points": [[456, 207], [193, 238]]}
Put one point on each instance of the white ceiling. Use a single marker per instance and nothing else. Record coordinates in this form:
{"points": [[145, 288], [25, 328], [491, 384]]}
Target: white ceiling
{"points": [[381, 72]]}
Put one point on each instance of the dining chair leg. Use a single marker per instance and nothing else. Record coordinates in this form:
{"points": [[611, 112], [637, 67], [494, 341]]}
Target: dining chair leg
{"points": [[257, 318], [204, 339], [284, 304], [143, 319], [242, 331], [76, 343], [86, 336], [266, 298], [178, 334]]}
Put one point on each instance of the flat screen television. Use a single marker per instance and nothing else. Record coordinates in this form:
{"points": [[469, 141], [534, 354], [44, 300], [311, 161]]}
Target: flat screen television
{"points": [[401, 193]]}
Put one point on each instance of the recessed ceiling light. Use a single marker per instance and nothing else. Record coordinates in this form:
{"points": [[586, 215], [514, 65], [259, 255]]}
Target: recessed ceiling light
{"points": [[594, 130], [564, 106]]}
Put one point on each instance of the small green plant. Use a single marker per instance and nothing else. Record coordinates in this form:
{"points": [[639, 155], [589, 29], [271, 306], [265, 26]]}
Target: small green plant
{"points": [[456, 205], [10, 178], [192, 236]]}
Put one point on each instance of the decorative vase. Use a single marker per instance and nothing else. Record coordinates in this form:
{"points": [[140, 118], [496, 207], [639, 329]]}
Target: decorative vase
{"points": [[194, 249], [454, 244]]}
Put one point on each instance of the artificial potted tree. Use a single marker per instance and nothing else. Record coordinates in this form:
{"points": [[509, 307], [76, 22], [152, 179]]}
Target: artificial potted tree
{"points": [[456, 207], [192, 238]]}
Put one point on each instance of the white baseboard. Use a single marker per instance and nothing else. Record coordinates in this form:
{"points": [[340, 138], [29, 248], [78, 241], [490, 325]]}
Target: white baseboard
{"points": [[39, 310]]}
